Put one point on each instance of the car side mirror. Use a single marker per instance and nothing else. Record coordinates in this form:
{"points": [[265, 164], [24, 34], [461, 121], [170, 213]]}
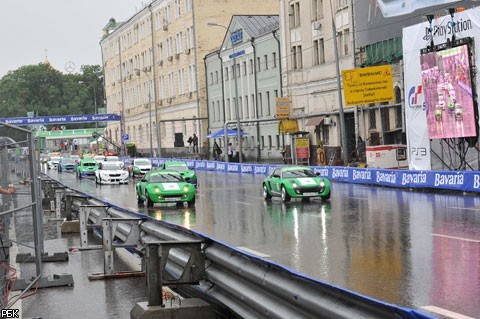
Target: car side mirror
{"points": [[317, 173]]}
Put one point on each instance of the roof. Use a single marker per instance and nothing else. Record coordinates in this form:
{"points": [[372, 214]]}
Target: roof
{"points": [[258, 25]]}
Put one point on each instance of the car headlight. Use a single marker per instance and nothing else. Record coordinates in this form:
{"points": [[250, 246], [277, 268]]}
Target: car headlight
{"points": [[294, 185], [156, 190], [186, 189], [322, 183]]}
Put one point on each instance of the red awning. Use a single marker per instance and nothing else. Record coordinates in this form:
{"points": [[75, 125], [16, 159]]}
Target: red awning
{"points": [[315, 121]]}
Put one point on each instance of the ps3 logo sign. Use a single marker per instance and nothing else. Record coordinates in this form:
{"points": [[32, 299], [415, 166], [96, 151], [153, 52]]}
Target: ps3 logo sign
{"points": [[419, 151]]}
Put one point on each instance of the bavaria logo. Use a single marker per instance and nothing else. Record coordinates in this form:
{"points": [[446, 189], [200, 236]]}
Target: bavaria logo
{"points": [[414, 97]]}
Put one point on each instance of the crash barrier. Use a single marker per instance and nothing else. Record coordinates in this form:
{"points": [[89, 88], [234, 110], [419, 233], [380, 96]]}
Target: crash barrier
{"points": [[235, 281], [464, 181]]}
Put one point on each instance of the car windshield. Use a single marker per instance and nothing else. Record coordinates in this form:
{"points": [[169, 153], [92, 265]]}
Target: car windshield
{"points": [[111, 158], [141, 162], [110, 166], [89, 164], [178, 168], [165, 178], [298, 173], [68, 161]]}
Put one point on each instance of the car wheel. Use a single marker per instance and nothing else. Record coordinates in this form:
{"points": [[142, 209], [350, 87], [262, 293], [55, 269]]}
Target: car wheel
{"points": [[149, 201], [139, 200], [192, 202], [326, 196], [266, 194], [285, 196]]}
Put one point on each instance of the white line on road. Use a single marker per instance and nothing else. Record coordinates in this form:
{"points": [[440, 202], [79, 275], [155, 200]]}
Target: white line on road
{"points": [[444, 312], [243, 203], [254, 252], [360, 198], [457, 238], [465, 208]]}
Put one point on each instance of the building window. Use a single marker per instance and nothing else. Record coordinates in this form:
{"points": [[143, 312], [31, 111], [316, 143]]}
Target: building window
{"points": [[211, 78], [240, 107], [297, 57], [259, 102], [214, 118], [262, 138], [258, 64], [326, 135], [265, 57], [372, 118], [216, 76], [247, 111], [244, 68], [317, 9], [277, 138], [268, 103], [252, 66], [226, 74], [294, 15], [269, 142], [227, 109], [274, 58], [252, 105], [318, 52], [346, 42], [276, 94]]}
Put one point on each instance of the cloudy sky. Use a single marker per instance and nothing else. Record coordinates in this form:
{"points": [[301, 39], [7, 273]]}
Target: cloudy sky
{"points": [[70, 30]]}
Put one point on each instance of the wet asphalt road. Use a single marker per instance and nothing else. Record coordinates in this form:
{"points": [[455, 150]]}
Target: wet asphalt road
{"points": [[413, 249]]}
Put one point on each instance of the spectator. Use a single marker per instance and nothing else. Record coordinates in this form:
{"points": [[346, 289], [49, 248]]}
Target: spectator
{"points": [[217, 151], [230, 152], [195, 143], [190, 141], [9, 190]]}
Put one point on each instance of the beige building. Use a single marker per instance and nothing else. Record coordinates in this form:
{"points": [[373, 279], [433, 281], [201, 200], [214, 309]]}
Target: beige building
{"points": [[155, 74], [309, 66]]}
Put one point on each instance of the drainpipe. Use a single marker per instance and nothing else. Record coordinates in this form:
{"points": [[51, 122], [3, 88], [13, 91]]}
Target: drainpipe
{"points": [[223, 94], [259, 154], [280, 74], [122, 120], [159, 142]]}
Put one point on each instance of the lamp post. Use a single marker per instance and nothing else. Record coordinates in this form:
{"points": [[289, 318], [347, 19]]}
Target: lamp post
{"points": [[237, 112], [94, 102], [343, 132], [137, 71]]}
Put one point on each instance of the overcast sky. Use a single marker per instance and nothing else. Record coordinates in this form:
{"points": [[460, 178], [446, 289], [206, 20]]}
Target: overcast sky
{"points": [[70, 30]]}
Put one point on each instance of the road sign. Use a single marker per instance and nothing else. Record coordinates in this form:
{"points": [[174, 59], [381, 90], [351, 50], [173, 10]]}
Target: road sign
{"points": [[125, 137]]}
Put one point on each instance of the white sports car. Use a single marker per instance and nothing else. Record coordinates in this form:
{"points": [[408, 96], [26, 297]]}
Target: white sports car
{"points": [[110, 173]]}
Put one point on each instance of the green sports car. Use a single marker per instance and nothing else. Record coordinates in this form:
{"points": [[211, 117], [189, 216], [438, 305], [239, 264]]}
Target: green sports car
{"points": [[86, 167], [164, 186], [295, 182], [181, 167]]}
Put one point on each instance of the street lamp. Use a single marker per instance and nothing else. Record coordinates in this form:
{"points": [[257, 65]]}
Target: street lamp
{"points": [[237, 113], [137, 72], [94, 102]]}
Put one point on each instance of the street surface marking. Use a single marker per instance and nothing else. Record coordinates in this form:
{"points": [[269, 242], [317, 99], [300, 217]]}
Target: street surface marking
{"points": [[464, 208], [253, 252], [243, 203], [458, 238], [445, 312], [361, 198]]}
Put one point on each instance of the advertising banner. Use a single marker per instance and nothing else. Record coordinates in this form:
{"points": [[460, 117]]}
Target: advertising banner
{"points": [[416, 38], [368, 85], [61, 119], [379, 20], [283, 107], [302, 149]]}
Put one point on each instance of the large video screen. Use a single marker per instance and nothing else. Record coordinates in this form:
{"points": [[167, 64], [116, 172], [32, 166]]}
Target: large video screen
{"points": [[447, 87]]}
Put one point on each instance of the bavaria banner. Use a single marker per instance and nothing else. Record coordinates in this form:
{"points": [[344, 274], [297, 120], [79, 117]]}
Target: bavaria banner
{"points": [[417, 37]]}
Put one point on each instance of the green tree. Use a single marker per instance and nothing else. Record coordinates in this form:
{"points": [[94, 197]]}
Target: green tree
{"points": [[46, 91]]}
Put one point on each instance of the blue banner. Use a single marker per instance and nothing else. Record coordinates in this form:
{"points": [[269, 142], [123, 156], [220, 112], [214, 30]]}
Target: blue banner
{"points": [[61, 119]]}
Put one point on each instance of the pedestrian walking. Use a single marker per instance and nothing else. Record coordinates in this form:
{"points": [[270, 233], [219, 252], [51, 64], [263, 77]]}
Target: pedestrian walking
{"points": [[190, 141], [195, 143], [217, 151], [230, 152]]}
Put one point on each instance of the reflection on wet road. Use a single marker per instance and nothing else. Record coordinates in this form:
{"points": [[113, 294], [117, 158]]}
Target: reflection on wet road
{"points": [[413, 249]]}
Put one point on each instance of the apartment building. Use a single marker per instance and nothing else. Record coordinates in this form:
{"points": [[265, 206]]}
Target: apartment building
{"points": [[246, 73], [309, 66], [154, 70]]}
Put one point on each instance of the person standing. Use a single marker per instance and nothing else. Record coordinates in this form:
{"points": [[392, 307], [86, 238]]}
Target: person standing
{"points": [[189, 141], [195, 143], [230, 152], [216, 151]]}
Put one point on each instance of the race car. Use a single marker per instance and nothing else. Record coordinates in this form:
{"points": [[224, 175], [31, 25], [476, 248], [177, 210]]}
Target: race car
{"points": [[164, 186], [86, 167], [52, 163], [66, 164], [295, 182], [110, 173], [188, 174], [139, 167]]}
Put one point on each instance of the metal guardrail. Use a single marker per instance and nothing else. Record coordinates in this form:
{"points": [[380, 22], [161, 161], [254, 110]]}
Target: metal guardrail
{"points": [[247, 285]]}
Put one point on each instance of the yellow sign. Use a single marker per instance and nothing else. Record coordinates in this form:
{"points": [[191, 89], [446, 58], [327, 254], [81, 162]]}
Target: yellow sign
{"points": [[301, 142], [288, 126], [368, 85], [283, 107]]}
